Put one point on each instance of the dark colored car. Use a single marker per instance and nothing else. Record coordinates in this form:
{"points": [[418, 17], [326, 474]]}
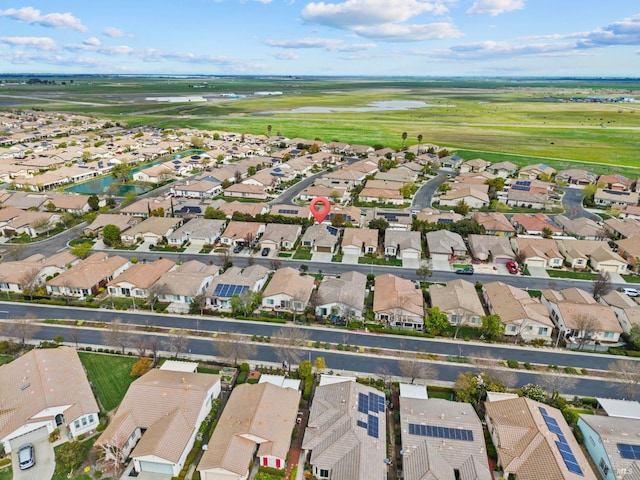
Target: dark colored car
{"points": [[238, 248], [265, 251], [512, 267], [465, 271]]}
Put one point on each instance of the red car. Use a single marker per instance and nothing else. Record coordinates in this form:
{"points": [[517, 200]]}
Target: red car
{"points": [[512, 267]]}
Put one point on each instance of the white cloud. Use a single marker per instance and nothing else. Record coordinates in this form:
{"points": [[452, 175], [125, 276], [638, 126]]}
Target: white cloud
{"points": [[114, 32], [54, 20], [495, 7], [328, 44], [410, 32], [624, 32], [92, 42], [286, 55], [40, 43]]}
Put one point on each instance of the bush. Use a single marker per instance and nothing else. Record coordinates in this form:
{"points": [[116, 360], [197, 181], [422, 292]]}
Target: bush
{"points": [[308, 384], [513, 364], [5, 461], [244, 367], [528, 366], [570, 370]]}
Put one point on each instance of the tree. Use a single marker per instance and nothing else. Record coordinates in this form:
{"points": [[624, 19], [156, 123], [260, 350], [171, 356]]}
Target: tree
{"points": [[288, 344], [176, 341], [112, 457], [413, 369], [380, 224], [197, 142], [58, 339], [320, 364], [519, 257], [466, 387], [423, 271], [444, 187], [94, 202], [117, 334], [213, 213], [465, 227], [246, 302], [436, 321], [198, 304], [556, 384], [233, 348], [305, 369], [111, 235], [491, 326], [23, 329], [121, 172], [634, 337], [337, 220], [534, 392], [601, 285], [628, 374], [275, 264], [129, 198], [334, 196], [141, 367], [461, 208], [269, 127], [30, 281], [404, 138], [419, 142], [81, 250], [586, 325], [547, 232], [156, 291]]}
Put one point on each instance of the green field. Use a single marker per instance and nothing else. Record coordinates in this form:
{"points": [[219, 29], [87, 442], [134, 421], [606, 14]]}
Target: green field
{"points": [[109, 375], [524, 121]]}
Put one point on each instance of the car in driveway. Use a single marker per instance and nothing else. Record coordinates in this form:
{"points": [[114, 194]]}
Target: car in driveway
{"points": [[265, 251], [238, 248], [632, 292], [512, 267], [26, 456], [465, 270]]}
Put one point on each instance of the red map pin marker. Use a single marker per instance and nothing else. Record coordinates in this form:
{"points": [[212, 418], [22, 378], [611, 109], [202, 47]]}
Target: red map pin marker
{"points": [[320, 215]]}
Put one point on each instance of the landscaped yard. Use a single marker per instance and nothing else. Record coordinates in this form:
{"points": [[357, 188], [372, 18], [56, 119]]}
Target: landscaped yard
{"points": [[631, 278], [109, 375], [5, 359], [394, 262], [303, 254], [6, 474], [568, 274]]}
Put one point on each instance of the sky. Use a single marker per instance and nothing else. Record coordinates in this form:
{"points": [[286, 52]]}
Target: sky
{"points": [[333, 38]]}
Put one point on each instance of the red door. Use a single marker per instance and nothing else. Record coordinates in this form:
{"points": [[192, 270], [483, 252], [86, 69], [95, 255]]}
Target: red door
{"points": [[278, 463]]}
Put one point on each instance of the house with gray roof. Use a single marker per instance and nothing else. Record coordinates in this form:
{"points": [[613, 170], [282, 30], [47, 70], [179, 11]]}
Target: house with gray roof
{"points": [[342, 297], [402, 244], [445, 244], [489, 248], [320, 238], [279, 236], [198, 231]]}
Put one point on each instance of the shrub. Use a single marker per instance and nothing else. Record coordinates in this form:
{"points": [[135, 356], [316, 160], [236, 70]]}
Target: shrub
{"points": [[244, 367], [528, 366], [308, 384], [513, 364], [570, 370], [5, 461]]}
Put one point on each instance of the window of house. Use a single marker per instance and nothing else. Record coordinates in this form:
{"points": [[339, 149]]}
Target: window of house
{"points": [[608, 334], [269, 301], [604, 467], [324, 473], [91, 418], [542, 330], [510, 328], [84, 421], [76, 424]]}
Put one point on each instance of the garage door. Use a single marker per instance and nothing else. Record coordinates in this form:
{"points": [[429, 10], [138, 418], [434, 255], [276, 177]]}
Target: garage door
{"points": [[608, 268], [533, 262], [502, 260], [410, 255], [323, 249], [154, 467]]}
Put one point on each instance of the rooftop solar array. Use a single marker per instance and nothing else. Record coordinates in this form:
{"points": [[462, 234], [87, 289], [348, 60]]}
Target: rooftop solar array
{"points": [[370, 403], [228, 290], [372, 428], [565, 450], [287, 212], [630, 452], [441, 432]]}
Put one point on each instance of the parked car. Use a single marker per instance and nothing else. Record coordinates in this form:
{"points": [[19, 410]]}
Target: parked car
{"points": [[632, 292], [238, 248], [265, 251], [465, 271], [512, 267], [26, 456]]}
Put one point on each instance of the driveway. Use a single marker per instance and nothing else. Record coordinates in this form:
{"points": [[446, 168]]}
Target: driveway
{"points": [[410, 263], [45, 462], [323, 257], [438, 263], [350, 259], [538, 272]]}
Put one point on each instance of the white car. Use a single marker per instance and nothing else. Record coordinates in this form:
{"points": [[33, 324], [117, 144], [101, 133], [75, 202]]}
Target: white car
{"points": [[632, 292]]}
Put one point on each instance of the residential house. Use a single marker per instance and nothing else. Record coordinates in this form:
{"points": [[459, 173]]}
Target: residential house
{"points": [[242, 190], [198, 231], [182, 285], [445, 245], [157, 422], [580, 318], [627, 228], [123, 222], [235, 281], [401, 175], [528, 199], [503, 169], [288, 290], [75, 204], [88, 277], [534, 441], [576, 176], [629, 249], [536, 171], [520, 314], [136, 281], [534, 224], [494, 223], [441, 439], [345, 437], [293, 211], [459, 300], [403, 244], [488, 248], [349, 213], [398, 219], [475, 196], [152, 230], [451, 162], [14, 221], [615, 198], [279, 236], [615, 181], [258, 420], [398, 303], [629, 211], [342, 297], [475, 165], [144, 207], [474, 178], [360, 241], [241, 233], [30, 273], [381, 195], [155, 173], [612, 443], [538, 252], [431, 215], [252, 209], [334, 194], [45, 389], [626, 310], [581, 228], [320, 238], [206, 187], [594, 253]]}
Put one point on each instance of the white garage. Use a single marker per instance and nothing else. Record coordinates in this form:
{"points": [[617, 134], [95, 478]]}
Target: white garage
{"points": [[536, 262], [155, 467]]}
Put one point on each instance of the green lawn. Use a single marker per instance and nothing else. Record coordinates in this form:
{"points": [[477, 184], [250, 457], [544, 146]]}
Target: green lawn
{"points": [[303, 254], [394, 262], [6, 474], [575, 275], [109, 375], [631, 278], [5, 359]]}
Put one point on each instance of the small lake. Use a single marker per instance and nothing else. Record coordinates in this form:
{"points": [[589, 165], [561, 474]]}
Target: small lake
{"points": [[373, 107]]}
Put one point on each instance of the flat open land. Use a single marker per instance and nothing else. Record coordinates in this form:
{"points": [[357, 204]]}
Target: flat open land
{"points": [[524, 121]]}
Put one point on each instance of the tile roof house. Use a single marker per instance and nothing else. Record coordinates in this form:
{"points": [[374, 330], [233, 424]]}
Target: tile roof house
{"points": [[123, 222], [595, 253], [359, 241], [488, 248], [320, 238], [31, 272], [536, 171], [151, 230], [472, 194], [459, 300], [475, 165], [503, 169], [198, 231], [538, 252], [182, 284], [581, 228], [402, 244], [615, 181], [613, 198], [158, 419], [235, 281], [576, 176], [257, 420], [520, 314], [446, 244], [531, 439], [253, 209], [629, 227], [288, 290], [88, 276], [137, 280], [629, 249], [580, 319], [342, 296], [242, 190], [398, 303], [245, 233], [345, 437], [44, 389], [612, 443], [494, 223], [626, 310], [534, 224], [280, 236], [442, 440]]}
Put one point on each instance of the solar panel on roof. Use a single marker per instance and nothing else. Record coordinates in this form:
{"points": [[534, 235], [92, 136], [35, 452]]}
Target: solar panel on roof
{"points": [[362, 424], [229, 290], [372, 428], [441, 432], [628, 451], [363, 403]]}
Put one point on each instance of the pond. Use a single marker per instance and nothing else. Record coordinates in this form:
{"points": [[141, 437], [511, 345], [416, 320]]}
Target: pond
{"points": [[373, 107]]}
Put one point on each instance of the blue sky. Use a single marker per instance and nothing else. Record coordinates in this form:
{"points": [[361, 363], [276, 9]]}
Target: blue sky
{"points": [[333, 37]]}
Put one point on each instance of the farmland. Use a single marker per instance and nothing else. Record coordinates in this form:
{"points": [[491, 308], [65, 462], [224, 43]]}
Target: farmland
{"points": [[524, 121]]}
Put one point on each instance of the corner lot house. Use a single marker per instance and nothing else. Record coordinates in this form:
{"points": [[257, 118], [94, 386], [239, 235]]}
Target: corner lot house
{"points": [[346, 433], [258, 420], [46, 389], [398, 303], [288, 290], [157, 422], [534, 441]]}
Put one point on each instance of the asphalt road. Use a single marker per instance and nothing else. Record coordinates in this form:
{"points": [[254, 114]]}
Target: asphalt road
{"points": [[572, 203], [422, 198]]}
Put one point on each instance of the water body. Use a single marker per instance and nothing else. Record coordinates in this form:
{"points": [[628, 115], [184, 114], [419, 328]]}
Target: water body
{"points": [[373, 107]]}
